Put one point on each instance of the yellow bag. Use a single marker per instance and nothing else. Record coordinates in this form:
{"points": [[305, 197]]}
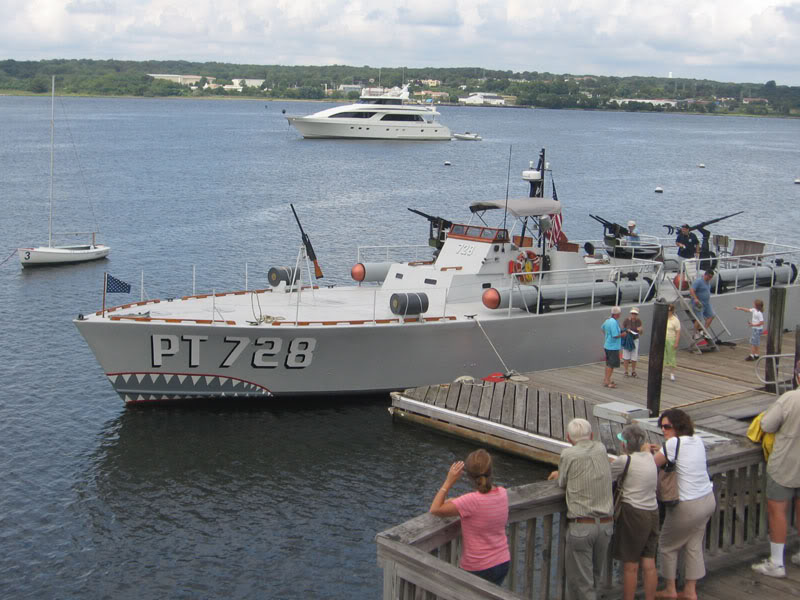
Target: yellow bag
{"points": [[756, 434]]}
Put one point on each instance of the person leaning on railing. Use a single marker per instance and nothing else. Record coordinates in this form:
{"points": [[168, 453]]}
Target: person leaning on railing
{"points": [[685, 523], [484, 515], [585, 473], [636, 528]]}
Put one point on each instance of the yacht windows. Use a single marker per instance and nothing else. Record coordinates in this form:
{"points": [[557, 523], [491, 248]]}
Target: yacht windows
{"points": [[399, 117], [430, 281], [353, 115]]}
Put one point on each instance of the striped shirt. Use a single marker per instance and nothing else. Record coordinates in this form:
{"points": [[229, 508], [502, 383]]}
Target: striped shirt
{"points": [[483, 528], [585, 472]]}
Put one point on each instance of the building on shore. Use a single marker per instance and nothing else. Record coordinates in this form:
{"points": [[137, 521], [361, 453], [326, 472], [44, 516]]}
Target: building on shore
{"points": [[483, 99], [181, 79]]}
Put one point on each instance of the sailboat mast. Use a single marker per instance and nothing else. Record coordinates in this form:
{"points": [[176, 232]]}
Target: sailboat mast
{"points": [[52, 144]]}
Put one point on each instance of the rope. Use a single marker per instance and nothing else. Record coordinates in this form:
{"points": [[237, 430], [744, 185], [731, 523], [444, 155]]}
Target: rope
{"points": [[500, 358], [13, 252]]}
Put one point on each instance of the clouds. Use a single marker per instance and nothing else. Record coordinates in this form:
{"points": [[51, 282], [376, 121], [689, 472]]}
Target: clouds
{"points": [[732, 41]]}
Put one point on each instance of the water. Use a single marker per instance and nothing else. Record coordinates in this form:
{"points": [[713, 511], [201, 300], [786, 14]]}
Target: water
{"points": [[283, 500]]}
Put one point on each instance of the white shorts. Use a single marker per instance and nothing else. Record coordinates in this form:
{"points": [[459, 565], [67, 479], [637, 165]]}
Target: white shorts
{"points": [[631, 354]]}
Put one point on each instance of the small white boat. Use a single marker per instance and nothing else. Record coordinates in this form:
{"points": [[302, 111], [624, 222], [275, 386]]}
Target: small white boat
{"points": [[60, 255], [797, 180], [701, 166], [467, 137], [659, 190]]}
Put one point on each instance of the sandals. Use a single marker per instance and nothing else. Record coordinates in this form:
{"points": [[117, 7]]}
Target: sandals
{"points": [[610, 385], [627, 375], [634, 374]]}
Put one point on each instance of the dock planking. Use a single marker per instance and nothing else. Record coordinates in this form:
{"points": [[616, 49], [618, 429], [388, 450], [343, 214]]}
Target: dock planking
{"points": [[719, 390]]}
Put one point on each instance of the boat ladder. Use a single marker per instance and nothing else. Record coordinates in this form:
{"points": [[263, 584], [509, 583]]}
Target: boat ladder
{"points": [[708, 340]]}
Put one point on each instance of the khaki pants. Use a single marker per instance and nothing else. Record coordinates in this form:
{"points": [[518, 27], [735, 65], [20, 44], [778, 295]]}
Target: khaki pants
{"points": [[586, 552], [684, 527]]}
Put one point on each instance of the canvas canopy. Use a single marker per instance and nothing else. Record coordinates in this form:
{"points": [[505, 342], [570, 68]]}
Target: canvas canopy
{"points": [[521, 207]]}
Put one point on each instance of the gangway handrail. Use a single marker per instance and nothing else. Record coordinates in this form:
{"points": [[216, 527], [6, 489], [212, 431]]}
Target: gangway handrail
{"points": [[782, 384]]}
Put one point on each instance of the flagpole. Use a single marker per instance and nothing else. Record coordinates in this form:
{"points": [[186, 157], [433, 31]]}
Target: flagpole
{"points": [[105, 283]]}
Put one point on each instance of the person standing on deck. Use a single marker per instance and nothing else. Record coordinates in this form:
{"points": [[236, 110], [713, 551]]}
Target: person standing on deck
{"points": [[612, 345], [632, 326], [757, 323], [585, 472], [671, 341], [687, 243], [633, 236], [783, 476]]}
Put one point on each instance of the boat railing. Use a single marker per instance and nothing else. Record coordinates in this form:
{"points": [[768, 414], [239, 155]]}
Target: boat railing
{"points": [[593, 281], [420, 557], [406, 253], [780, 265]]}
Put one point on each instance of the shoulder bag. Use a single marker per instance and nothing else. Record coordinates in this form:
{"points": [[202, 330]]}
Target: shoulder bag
{"points": [[618, 490], [667, 490]]}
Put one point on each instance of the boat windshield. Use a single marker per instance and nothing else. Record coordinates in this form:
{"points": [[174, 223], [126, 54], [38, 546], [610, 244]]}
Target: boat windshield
{"points": [[478, 234], [380, 100], [353, 115]]}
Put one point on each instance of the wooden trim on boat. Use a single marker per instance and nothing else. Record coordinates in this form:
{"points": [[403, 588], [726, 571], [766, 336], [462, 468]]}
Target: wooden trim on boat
{"points": [[168, 320], [363, 321]]}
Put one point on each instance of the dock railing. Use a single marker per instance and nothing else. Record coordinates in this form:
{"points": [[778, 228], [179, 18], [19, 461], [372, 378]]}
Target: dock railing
{"points": [[420, 557]]}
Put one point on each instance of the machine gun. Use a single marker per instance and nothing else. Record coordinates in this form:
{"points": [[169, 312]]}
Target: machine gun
{"points": [[701, 227], [307, 243], [438, 228], [612, 229]]}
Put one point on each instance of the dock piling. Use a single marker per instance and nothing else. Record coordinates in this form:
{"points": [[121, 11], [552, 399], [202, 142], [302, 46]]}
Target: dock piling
{"points": [[658, 335]]}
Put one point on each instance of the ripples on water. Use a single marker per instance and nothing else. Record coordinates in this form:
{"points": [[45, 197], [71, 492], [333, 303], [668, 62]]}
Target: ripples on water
{"points": [[283, 501]]}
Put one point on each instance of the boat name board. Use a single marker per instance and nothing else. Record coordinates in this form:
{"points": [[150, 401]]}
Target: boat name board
{"points": [[266, 352]]}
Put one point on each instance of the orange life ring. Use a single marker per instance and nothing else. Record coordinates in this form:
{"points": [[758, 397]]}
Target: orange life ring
{"points": [[527, 262]]}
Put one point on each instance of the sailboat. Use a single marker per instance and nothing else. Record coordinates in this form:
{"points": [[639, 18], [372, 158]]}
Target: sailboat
{"points": [[58, 255]]}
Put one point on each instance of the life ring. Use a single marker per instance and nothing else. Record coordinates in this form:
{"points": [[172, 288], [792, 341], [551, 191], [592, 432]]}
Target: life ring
{"points": [[527, 262]]}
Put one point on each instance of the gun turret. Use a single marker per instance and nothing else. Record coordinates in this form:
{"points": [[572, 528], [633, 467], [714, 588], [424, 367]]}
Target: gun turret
{"points": [[438, 228], [611, 229]]}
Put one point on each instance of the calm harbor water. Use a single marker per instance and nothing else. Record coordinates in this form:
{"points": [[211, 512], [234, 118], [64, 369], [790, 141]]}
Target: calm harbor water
{"points": [[277, 500]]}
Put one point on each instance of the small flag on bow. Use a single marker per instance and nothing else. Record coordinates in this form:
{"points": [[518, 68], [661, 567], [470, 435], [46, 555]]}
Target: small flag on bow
{"points": [[116, 286]]}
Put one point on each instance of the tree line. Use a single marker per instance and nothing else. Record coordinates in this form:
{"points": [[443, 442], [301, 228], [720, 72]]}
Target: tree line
{"points": [[528, 88]]}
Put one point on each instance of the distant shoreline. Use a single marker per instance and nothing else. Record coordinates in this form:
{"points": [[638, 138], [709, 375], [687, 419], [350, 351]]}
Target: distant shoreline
{"points": [[340, 101]]}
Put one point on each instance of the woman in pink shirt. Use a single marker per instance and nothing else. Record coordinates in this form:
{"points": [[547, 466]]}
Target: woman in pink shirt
{"points": [[484, 515]]}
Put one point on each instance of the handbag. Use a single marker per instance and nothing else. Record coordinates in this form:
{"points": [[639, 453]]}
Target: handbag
{"points": [[667, 490], [618, 490]]}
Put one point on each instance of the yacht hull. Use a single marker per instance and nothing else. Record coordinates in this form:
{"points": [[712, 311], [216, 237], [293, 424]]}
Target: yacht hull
{"points": [[314, 128]]}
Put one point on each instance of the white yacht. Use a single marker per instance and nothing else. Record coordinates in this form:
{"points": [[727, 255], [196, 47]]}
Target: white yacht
{"points": [[378, 117]]}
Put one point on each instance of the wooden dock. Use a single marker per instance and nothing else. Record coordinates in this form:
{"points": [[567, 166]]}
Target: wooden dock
{"points": [[720, 390]]}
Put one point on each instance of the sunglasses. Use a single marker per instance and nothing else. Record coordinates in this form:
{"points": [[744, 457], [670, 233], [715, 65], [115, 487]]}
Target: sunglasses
{"points": [[666, 426]]}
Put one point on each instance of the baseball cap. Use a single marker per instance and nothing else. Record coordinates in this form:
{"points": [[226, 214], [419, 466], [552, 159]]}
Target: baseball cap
{"points": [[631, 223], [634, 311]]}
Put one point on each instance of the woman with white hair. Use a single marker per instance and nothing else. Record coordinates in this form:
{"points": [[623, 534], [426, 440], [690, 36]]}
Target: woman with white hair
{"points": [[636, 528]]}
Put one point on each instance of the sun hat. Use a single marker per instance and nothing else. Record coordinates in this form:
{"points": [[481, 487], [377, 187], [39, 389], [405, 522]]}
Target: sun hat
{"points": [[634, 311], [616, 310], [631, 223]]}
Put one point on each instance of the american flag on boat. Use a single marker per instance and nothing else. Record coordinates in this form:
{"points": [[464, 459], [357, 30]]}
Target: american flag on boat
{"points": [[554, 234]]}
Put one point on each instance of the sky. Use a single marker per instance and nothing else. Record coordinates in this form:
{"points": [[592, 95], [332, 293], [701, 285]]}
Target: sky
{"points": [[723, 40]]}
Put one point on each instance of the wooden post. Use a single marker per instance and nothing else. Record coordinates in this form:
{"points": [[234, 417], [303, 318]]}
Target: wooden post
{"points": [[777, 305], [796, 370], [655, 359]]}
